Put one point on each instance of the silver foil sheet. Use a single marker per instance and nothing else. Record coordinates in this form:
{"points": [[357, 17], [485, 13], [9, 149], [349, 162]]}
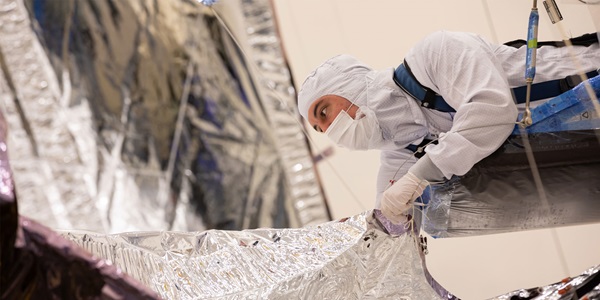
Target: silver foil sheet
{"points": [[265, 60], [144, 115], [585, 286], [37, 263], [361, 257], [351, 258]]}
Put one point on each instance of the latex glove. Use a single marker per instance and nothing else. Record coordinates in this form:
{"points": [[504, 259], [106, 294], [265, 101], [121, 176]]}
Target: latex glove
{"points": [[398, 199]]}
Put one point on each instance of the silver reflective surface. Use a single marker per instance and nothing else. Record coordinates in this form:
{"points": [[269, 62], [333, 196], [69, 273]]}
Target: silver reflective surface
{"points": [[352, 258], [144, 115], [361, 257], [37, 263], [584, 286]]}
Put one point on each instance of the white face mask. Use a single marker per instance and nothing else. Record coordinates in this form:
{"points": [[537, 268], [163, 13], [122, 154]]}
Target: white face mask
{"points": [[362, 133]]}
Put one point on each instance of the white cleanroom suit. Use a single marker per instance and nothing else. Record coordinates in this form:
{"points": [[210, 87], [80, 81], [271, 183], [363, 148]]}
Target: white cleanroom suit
{"points": [[472, 74]]}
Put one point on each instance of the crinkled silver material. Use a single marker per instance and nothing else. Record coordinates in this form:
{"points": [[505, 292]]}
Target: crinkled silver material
{"points": [[280, 108], [142, 115], [583, 286], [7, 187], [352, 258], [46, 160], [361, 257], [37, 263]]}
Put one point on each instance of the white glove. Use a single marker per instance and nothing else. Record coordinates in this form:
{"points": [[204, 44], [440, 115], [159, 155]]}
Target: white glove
{"points": [[399, 197]]}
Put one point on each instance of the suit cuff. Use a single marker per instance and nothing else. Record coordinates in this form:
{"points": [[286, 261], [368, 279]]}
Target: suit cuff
{"points": [[424, 168]]}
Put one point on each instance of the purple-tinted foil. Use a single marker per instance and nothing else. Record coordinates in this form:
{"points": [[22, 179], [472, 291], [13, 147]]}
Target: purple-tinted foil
{"points": [[46, 266]]}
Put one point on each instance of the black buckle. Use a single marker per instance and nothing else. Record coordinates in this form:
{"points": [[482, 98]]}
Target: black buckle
{"points": [[569, 82], [429, 101]]}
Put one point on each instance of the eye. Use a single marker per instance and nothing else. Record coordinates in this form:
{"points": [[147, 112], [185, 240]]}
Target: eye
{"points": [[323, 112]]}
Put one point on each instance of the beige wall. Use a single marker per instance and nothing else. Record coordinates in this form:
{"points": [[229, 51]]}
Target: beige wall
{"points": [[380, 33]]}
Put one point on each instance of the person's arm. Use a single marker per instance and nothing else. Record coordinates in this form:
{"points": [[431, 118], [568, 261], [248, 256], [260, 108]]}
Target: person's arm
{"points": [[463, 69]]}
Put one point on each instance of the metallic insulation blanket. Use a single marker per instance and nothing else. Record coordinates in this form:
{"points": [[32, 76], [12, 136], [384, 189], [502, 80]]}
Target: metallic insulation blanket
{"points": [[584, 286], [361, 257], [144, 115], [352, 258], [37, 263]]}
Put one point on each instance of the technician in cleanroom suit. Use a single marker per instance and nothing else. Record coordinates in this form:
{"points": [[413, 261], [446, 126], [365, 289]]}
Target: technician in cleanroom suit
{"points": [[360, 108]]}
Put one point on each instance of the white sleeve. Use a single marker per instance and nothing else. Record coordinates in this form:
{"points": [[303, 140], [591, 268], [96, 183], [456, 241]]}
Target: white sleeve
{"points": [[394, 164], [463, 69]]}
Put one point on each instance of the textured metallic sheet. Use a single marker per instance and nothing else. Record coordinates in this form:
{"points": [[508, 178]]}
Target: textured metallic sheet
{"points": [[37, 263], [361, 257], [351, 258], [254, 22], [143, 115], [584, 286], [280, 108]]}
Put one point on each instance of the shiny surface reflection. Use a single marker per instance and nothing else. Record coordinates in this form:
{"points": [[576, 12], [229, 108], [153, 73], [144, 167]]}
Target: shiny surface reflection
{"points": [[144, 115], [351, 258]]}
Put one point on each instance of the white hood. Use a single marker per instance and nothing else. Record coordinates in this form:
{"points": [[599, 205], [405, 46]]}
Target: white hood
{"points": [[398, 115], [341, 75]]}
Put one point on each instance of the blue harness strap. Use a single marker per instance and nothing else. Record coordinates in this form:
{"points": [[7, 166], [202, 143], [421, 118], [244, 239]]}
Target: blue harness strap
{"points": [[550, 89], [428, 98], [404, 78]]}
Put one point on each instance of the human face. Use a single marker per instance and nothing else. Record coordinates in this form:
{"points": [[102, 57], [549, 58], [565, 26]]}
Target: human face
{"points": [[323, 111]]}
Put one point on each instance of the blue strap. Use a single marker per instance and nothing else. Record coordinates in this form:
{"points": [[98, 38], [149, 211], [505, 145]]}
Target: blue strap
{"points": [[406, 81], [412, 147], [549, 89], [404, 78], [563, 112]]}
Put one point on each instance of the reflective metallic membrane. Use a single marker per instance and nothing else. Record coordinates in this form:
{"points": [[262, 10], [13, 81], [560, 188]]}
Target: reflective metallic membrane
{"points": [[351, 258], [145, 115], [360, 257], [584, 286], [37, 263]]}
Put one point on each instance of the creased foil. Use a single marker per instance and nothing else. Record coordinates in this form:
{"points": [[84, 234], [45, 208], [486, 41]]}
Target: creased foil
{"points": [[37, 263], [143, 115], [280, 106], [360, 257], [584, 286], [351, 258]]}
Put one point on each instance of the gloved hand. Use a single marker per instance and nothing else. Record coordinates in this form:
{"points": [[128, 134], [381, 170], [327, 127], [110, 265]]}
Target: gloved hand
{"points": [[398, 199]]}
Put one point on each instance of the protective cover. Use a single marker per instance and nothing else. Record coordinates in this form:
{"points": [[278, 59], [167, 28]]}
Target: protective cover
{"points": [[358, 257], [501, 194], [145, 115], [38, 263]]}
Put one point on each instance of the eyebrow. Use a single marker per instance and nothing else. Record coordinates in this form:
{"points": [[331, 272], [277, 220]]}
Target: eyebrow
{"points": [[315, 115]]}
